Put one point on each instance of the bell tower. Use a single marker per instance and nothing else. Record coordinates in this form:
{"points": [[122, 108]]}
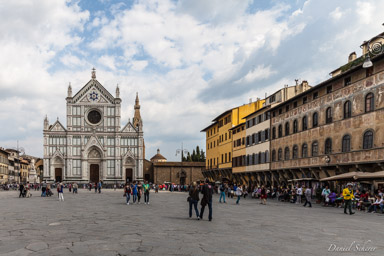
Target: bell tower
{"points": [[137, 122]]}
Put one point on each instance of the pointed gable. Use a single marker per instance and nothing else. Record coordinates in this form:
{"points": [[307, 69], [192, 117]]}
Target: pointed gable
{"points": [[93, 92], [57, 127], [129, 128]]}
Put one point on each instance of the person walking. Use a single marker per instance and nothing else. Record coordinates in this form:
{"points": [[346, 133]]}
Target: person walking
{"points": [[308, 197], [239, 192], [21, 188], [146, 192], [99, 186], [207, 191], [139, 192], [44, 189], [193, 199], [127, 192], [222, 192], [134, 192], [325, 194], [95, 187], [75, 187], [299, 193], [263, 195], [60, 189], [348, 196]]}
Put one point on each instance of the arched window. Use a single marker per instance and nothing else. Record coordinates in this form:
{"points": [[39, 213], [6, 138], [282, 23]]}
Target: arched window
{"points": [[369, 102], [266, 156], [346, 143], [347, 109], [280, 154], [286, 128], [295, 152], [368, 140], [305, 123], [273, 155], [315, 119], [274, 133], [295, 126], [260, 157], [328, 115], [328, 146], [304, 150], [280, 131], [315, 148], [286, 153]]}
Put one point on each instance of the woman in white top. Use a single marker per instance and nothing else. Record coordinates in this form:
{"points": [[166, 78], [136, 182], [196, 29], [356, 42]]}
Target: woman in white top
{"points": [[239, 192]]}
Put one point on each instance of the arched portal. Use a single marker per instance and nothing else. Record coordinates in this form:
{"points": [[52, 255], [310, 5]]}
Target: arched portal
{"points": [[129, 167], [58, 166], [94, 164]]}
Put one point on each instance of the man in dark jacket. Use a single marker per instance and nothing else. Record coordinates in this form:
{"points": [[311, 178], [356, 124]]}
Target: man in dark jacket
{"points": [[207, 191]]}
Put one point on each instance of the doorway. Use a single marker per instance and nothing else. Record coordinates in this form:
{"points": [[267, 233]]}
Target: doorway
{"points": [[94, 173], [58, 174], [128, 174]]}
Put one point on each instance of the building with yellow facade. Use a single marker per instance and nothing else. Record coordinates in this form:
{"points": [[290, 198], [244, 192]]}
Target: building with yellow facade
{"points": [[219, 142], [4, 165]]}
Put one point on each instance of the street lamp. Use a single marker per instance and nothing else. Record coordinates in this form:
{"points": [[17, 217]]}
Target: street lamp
{"points": [[181, 151], [374, 48]]}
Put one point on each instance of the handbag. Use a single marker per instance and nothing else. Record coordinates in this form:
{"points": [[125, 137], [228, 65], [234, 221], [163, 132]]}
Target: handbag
{"points": [[189, 199]]}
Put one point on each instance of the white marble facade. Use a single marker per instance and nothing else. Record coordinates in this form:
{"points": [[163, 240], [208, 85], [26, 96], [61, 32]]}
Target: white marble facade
{"points": [[93, 146]]}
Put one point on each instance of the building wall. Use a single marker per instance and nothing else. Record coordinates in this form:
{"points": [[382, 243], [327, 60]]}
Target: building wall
{"points": [[172, 172], [238, 148], [258, 147], [355, 126], [212, 147], [4, 165]]}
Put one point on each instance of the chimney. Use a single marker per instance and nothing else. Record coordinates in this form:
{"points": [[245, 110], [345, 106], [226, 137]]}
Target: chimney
{"points": [[352, 57]]}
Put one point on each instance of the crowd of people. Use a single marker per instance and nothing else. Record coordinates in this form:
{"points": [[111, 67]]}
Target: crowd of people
{"points": [[136, 189], [349, 198]]}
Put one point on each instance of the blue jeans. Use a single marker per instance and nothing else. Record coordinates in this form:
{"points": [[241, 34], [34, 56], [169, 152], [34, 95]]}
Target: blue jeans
{"points": [[128, 197], [375, 207], [194, 203], [238, 199], [134, 198], [209, 208], [222, 195]]}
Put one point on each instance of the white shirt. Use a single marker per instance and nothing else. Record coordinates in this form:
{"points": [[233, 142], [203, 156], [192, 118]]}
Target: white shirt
{"points": [[299, 191], [239, 191]]}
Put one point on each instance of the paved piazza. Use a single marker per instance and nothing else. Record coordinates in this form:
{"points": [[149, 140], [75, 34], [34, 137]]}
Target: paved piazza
{"points": [[102, 224]]}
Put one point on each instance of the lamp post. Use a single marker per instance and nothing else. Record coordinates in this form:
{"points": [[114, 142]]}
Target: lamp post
{"points": [[181, 151], [374, 47]]}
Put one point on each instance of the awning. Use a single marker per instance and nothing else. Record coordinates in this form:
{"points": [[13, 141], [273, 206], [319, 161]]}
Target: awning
{"points": [[370, 175], [302, 179], [344, 176], [356, 176]]}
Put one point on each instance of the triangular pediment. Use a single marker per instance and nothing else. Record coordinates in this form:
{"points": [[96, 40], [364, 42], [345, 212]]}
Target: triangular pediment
{"points": [[92, 143], [128, 157], [93, 92], [57, 127], [129, 128]]}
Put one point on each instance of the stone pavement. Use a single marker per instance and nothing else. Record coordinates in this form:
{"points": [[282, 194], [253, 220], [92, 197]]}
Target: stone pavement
{"points": [[102, 224]]}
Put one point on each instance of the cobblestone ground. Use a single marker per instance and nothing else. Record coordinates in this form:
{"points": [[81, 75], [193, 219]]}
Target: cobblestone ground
{"points": [[102, 224]]}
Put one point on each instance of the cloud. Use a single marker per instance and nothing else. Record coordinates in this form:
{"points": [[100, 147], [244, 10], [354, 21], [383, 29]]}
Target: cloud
{"points": [[336, 14], [259, 73]]}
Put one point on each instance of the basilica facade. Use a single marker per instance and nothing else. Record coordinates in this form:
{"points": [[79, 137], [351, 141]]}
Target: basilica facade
{"points": [[93, 146]]}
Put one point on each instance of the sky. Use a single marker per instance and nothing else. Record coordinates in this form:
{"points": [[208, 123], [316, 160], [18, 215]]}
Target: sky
{"points": [[189, 60]]}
